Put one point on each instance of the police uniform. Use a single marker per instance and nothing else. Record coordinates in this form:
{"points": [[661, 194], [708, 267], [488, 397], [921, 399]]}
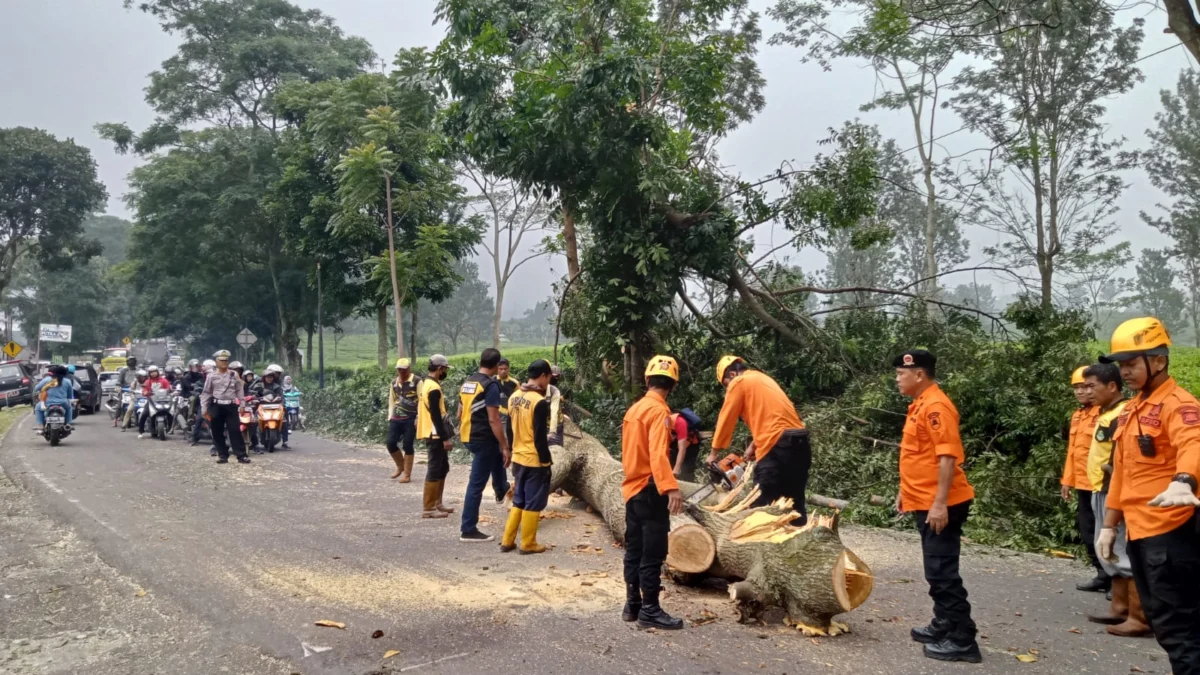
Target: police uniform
{"points": [[931, 431], [528, 429], [480, 392]]}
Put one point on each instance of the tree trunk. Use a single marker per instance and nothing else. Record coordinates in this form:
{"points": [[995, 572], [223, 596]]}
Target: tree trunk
{"points": [[806, 571], [381, 333], [496, 314], [412, 331], [309, 352], [570, 241], [396, 299]]}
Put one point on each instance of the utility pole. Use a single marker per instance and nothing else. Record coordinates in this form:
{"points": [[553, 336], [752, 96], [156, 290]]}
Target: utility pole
{"points": [[320, 333]]}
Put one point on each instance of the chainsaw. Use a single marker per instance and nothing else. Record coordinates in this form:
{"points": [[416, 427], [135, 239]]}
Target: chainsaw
{"points": [[725, 474]]}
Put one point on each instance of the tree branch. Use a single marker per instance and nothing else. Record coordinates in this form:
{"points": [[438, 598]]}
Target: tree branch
{"points": [[700, 315]]}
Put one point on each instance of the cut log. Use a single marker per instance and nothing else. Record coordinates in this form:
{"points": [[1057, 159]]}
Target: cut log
{"points": [[804, 570]]}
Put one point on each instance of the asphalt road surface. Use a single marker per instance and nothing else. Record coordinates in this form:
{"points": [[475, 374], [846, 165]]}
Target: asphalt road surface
{"points": [[138, 557]]}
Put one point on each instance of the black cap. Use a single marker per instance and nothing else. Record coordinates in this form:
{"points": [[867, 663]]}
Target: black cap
{"points": [[915, 358], [538, 368]]}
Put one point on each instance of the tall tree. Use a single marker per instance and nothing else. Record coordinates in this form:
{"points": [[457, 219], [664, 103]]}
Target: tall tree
{"points": [[1173, 165], [512, 216], [466, 313], [1040, 102], [1156, 292], [48, 188]]}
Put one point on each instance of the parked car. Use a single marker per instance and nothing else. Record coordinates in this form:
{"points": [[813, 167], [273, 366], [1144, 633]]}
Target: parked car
{"points": [[89, 388], [16, 384]]}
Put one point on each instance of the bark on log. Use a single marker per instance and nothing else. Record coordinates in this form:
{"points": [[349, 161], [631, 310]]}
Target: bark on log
{"points": [[806, 571]]}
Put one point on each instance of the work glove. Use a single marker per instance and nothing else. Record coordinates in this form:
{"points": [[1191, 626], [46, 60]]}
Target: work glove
{"points": [[1176, 494], [1104, 543]]}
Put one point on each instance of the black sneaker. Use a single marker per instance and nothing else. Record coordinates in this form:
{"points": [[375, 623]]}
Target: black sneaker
{"points": [[1098, 584], [951, 649], [286, 446], [475, 537], [935, 632], [243, 460], [212, 452], [222, 460]]}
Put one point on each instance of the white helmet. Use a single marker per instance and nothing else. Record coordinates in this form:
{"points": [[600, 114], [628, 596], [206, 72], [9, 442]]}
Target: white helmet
{"points": [[235, 365], [152, 368], [141, 373], [209, 363], [274, 368]]}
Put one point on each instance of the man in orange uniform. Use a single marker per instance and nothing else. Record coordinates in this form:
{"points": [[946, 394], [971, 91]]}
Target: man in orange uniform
{"points": [[1153, 490], [779, 440], [935, 490], [1075, 476], [651, 495]]}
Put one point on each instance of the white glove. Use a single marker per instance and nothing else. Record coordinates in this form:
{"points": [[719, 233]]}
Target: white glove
{"points": [[1104, 543], [1176, 494]]}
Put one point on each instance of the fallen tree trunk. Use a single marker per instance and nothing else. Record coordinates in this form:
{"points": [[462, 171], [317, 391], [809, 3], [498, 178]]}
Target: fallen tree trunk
{"points": [[804, 570]]}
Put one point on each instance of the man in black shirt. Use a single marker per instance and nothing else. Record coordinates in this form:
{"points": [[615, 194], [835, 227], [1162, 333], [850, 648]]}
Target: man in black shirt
{"points": [[483, 433]]}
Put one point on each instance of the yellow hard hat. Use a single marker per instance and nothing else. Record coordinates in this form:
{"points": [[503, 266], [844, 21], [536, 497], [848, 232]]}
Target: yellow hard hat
{"points": [[1077, 376], [663, 365], [403, 363], [1136, 337], [724, 363]]}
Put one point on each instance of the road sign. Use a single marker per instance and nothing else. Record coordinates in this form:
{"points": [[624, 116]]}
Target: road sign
{"points": [[126, 341], [246, 339], [12, 349], [51, 332]]}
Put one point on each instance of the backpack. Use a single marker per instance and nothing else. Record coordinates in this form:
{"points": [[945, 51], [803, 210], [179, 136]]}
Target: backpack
{"points": [[693, 424]]}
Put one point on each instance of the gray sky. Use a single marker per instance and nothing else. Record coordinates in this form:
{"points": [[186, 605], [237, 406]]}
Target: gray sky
{"points": [[73, 63]]}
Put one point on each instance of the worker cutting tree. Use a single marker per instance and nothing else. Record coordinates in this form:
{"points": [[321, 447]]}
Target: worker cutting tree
{"points": [[779, 441]]}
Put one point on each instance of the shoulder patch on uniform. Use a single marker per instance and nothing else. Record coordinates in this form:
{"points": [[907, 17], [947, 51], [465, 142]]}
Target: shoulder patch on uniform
{"points": [[935, 420], [1189, 415], [470, 387]]}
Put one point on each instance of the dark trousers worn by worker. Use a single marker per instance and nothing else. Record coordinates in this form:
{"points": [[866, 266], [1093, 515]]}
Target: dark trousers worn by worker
{"points": [[531, 493], [402, 433], [436, 470], [784, 472], [1166, 568], [941, 552], [487, 463], [1085, 519], [225, 419], [647, 524], [690, 458]]}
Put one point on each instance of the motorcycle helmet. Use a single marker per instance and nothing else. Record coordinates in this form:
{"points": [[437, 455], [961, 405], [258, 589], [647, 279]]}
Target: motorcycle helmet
{"points": [[249, 373], [193, 363], [274, 368], [178, 370], [142, 373], [71, 369], [152, 369], [131, 361], [235, 365], [208, 365]]}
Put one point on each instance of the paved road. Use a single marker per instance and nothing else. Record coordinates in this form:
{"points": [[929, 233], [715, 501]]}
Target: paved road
{"points": [[238, 561]]}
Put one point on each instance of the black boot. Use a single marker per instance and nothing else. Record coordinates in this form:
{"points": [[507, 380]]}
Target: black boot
{"points": [[933, 633], [1099, 584], [633, 603], [653, 616], [955, 647]]}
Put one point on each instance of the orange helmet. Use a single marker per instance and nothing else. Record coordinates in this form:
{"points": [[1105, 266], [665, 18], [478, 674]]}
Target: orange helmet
{"points": [[1077, 376], [1136, 337], [663, 365]]}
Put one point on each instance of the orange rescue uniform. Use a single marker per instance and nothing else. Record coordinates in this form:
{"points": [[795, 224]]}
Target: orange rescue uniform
{"points": [[1079, 444], [1170, 417], [930, 432], [762, 404], [646, 446]]}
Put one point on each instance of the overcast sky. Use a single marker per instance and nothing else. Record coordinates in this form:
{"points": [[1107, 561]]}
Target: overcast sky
{"points": [[72, 63]]}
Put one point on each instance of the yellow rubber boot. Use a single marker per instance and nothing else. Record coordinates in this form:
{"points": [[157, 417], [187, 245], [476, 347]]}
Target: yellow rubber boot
{"points": [[529, 527], [509, 540]]}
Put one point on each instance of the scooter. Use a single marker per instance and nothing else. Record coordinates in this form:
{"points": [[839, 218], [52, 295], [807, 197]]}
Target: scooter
{"points": [[159, 411], [181, 410], [248, 418], [270, 422], [55, 429], [295, 413], [139, 407]]}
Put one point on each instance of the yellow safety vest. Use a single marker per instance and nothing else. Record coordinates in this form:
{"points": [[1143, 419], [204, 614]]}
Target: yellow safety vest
{"points": [[424, 419]]}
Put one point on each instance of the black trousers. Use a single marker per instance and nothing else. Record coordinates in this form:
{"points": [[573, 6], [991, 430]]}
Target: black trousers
{"points": [[438, 466], [688, 470], [784, 472], [401, 431], [1085, 518], [1166, 569], [941, 553], [647, 524], [225, 419]]}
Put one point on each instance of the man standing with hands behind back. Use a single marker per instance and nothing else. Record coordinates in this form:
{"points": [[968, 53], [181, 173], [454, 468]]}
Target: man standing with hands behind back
{"points": [[935, 490]]}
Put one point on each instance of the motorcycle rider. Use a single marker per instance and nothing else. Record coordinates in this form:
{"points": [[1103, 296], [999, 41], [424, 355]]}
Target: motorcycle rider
{"points": [[268, 386], [248, 382], [238, 368], [135, 389], [57, 388], [155, 382], [193, 383], [290, 388], [126, 378]]}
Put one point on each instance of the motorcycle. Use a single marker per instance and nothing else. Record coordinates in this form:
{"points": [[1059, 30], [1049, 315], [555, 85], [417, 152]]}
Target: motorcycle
{"points": [[270, 422], [158, 410], [55, 429], [295, 417], [112, 398], [139, 407], [248, 418], [181, 410]]}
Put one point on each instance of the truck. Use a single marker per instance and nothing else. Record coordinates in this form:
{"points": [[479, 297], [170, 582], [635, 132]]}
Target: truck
{"points": [[150, 351]]}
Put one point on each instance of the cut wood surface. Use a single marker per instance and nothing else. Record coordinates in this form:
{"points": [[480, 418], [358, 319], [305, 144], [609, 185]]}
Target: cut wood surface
{"points": [[804, 570]]}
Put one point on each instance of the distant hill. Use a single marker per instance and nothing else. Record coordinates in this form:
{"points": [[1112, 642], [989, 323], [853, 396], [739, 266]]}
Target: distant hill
{"points": [[112, 233]]}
